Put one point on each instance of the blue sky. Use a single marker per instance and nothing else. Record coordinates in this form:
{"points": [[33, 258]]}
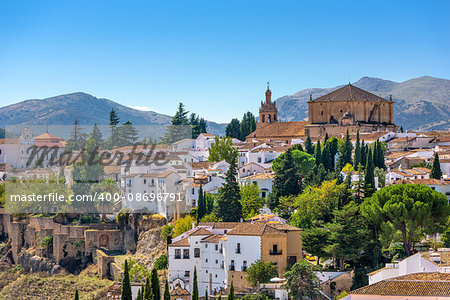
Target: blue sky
{"points": [[214, 56]]}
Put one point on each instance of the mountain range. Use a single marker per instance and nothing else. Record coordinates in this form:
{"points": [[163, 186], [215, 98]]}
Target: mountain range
{"points": [[420, 103]]}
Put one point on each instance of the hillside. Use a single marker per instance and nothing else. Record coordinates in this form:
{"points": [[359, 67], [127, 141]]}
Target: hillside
{"points": [[421, 103], [62, 110]]}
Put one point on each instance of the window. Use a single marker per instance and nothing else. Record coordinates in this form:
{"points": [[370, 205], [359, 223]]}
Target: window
{"points": [[193, 191], [186, 253], [177, 253], [321, 113], [259, 159], [238, 248], [217, 247], [206, 260], [217, 261], [186, 273], [145, 181], [232, 265], [197, 252], [216, 275], [206, 245]]}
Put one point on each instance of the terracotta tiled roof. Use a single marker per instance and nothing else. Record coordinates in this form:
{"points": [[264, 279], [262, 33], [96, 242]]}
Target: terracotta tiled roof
{"points": [[260, 176], [430, 181], [425, 170], [280, 130], [214, 238], [285, 227], [9, 141], [350, 92], [179, 292], [419, 284], [199, 231], [412, 171], [181, 243], [202, 165], [256, 229], [219, 225]]}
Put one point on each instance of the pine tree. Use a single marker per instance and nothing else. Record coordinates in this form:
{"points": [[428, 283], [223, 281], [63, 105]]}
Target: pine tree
{"points": [[229, 207], [318, 154], [126, 285], [357, 156], [156, 289], [113, 122], [436, 171], [201, 204], [96, 134], [76, 295], [195, 286], [220, 297], [248, 124], [148, 292], [166, 291], [369, 177], [179, 128], [127, 134], [77, 139], [233, 129], [231, 293], [309, 148]]}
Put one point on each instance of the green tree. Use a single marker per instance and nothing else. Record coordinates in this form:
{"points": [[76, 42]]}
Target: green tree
{"points": [[222, 149], [126, 285], [345, 152], [166, 291], [261, 272], [326, 158], [369, 176], [201, 204], [364, 150], [229, 207], [206, 295], [156, 288], [347, 235], [182, 225], [357, 156], [179, 128], [317, 204], [318, 153], [76, 295], [148, 290], [303, 162], [233, 129], [248, 124], [287, 180], [436, 172], [301, 281], [96, 134], [250, 200], [410, 209], [127, 134], [77, 139], [315, 240], [195, 286], [309, 147], [113, 122], [231, 292], [198, 125]]}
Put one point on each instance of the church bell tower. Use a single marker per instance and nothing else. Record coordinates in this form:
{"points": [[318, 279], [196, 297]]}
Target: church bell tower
{"points": [[268, 112]]}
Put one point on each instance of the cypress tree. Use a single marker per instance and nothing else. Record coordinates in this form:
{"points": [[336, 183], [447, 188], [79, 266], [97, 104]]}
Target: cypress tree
{"points": [[195, 286], [369, 177], [139, 295], [76, 295], [357, 156], [326, 158], [156, 289], [309, 146], [166, 291], [345, 155], [363, 154], [147, 292], [229, 207], [375, 153], [326, 138], [436, 171], [381, 164], [201, 204], [401, 129], [231, 293], [126, 285], [220, 297], [206, 294], [318, 154]]}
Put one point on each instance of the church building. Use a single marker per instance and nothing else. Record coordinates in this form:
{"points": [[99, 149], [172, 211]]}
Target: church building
{"points": [[347, 108]]}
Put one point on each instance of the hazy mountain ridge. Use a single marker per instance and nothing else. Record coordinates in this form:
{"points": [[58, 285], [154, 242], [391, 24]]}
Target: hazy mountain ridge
{"points": [[63, 109], [421, 103]]}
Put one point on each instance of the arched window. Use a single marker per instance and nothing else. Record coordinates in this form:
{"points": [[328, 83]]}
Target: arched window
{"points": [[268, 119], [321, 113], [263, 118], [197, 252]]}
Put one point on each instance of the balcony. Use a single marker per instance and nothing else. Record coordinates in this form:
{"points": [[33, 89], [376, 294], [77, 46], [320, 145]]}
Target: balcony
{"points": [[177, 256], [275, 252], [232, 268], [244, 268], [238, 251]]}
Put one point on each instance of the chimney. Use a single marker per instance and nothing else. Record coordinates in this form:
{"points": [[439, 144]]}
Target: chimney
{"points": [[193, 225]]}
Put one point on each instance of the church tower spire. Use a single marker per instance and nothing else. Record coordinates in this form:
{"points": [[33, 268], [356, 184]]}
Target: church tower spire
{"points": [[268, 112]]}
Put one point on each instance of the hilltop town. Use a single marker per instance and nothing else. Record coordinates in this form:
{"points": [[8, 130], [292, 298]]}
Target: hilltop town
{"points": [[243, 214]]}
